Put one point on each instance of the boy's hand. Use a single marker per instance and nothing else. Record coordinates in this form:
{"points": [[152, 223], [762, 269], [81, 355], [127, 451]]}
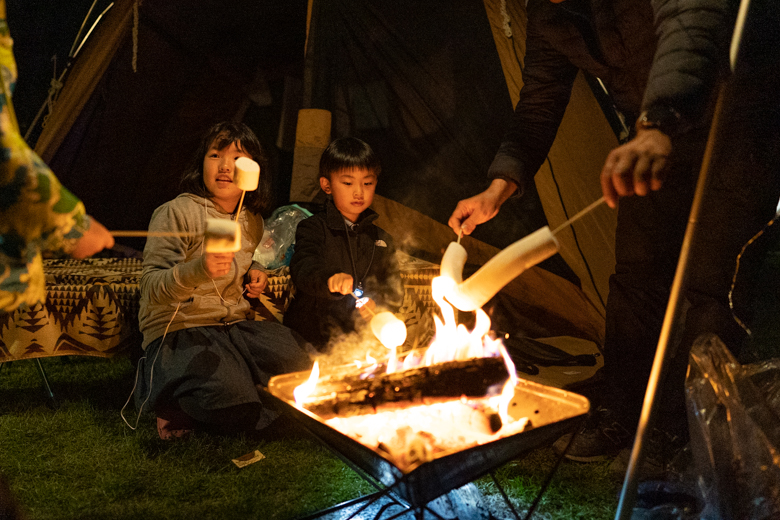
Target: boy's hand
{"points": [[367, 309], [258, 282], [217, 264], [340, 283]]}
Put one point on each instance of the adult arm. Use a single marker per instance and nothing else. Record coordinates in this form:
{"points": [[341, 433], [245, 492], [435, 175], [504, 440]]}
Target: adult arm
{"points": [[693, 37], [548, 76]]}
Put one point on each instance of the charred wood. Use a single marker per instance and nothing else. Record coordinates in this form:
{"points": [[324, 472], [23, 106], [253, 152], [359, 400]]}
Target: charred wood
{"points": [[357, 394]]}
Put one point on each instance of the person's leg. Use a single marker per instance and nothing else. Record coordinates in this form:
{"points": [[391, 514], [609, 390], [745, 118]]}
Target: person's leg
{"points": [[198, 374], [741, 198], [648, 238], [271, 349]]}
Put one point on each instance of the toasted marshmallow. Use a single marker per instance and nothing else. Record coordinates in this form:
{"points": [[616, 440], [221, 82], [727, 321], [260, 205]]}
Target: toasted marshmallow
{"points": [[247, 174], [222, 236]]}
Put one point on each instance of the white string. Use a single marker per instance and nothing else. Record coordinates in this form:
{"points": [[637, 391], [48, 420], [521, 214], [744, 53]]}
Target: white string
{"points": [[151, 377], [202, 253]]}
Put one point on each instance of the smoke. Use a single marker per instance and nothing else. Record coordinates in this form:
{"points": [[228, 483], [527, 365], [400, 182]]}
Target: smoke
{"points": [[351, 348]]}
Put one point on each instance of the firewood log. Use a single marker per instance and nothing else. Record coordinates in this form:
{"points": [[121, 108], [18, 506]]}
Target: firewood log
{"points": [[357, 394]]}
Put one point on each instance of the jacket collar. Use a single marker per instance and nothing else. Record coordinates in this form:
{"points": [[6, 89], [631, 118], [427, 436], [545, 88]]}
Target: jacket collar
{"points": [[335, 220]]}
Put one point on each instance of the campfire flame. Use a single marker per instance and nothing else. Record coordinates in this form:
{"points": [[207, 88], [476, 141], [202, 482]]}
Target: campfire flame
{"points": [[303, 391], [469, 420]]}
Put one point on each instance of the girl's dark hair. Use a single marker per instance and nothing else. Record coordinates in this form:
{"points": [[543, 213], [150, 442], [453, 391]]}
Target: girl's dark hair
{"points": [[347, 153], [223, 135]]}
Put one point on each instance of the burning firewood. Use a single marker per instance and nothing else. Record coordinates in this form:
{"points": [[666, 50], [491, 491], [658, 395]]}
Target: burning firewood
{"points": [[358, 394]]}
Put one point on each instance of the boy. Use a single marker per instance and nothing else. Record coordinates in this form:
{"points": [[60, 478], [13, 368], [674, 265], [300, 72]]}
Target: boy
{"points": [[339, 253]]}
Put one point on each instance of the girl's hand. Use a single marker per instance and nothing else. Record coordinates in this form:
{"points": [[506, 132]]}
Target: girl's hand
{"points": [[340, 283], [217, 264], [257, 284], [367, 309]]}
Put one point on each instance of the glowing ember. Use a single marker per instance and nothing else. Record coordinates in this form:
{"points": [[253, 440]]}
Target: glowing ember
{"points": [[417, 434]]}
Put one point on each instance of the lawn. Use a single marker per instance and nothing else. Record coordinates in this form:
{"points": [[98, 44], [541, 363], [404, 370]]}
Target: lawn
{"points": [[80, 461]]}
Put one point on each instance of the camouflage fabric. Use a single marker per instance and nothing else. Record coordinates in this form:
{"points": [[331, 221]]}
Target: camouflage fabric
{"points": [[36, 212]]}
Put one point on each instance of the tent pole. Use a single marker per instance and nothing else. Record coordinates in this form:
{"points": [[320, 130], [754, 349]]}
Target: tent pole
{"points": [[57, 83], [629, 490]]}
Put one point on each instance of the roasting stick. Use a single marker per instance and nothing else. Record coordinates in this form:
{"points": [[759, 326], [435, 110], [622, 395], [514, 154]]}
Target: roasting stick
{"points": [[221, 235], [509, 263], [582, 213], [128, 233], [358, 299]]}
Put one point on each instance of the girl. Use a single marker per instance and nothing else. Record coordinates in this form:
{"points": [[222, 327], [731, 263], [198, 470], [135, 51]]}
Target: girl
{"points": [[203, 353]]}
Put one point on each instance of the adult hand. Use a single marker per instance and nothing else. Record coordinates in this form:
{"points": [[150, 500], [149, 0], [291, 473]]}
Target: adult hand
{"points": [[340, 283], [367, 309], [636, 167], [258, 280], [94, 240], [217, 264], [471, 212]]}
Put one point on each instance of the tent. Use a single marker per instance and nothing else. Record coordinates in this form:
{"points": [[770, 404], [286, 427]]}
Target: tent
{"points": [[429, 85]]}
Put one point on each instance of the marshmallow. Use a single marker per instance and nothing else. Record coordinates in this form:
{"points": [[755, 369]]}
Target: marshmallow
{"points": [[509, 263], [247, 174], [388, 329], [222, 236]]}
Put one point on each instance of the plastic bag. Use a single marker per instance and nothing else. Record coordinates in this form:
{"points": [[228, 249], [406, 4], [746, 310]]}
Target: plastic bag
{"points": [[735, 432], [276, 247]]}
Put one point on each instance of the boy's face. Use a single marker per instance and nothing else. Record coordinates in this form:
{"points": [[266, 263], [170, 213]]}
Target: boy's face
{"points": [[218, 171], [352, 190]]}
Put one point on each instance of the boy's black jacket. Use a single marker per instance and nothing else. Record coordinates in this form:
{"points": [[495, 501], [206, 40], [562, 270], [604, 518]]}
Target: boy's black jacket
{"points": [[321, 250]]}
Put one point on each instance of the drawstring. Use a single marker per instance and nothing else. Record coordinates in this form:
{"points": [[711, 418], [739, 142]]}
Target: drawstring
{"points": [[359, 284]]}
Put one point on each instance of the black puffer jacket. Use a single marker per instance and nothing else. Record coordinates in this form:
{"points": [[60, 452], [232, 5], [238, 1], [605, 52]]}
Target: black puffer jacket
{"points": [[615, 40], [321, 250]]}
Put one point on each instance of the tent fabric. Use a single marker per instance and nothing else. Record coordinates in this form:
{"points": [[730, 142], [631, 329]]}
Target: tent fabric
{"points": [[569, 180], [84, 77], [122, 147], [401, 85], [430, 95]]}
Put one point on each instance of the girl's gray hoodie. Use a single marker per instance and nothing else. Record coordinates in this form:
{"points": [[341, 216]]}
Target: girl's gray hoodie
{"points": [[174, 283]]}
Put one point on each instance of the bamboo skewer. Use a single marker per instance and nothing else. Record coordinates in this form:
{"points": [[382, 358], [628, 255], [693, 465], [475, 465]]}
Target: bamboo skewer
{"points": [[130, 233], [582, 213]]}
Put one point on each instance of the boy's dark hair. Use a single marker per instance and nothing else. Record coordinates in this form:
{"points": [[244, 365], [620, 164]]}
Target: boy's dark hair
{"points": [[225, 134], [347, 153]]}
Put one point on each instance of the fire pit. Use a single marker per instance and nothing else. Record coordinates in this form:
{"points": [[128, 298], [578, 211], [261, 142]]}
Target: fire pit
{"points": [[552, 412], [424, 423]]}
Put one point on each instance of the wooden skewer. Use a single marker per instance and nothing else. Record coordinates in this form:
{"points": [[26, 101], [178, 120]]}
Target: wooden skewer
{"points": [[240, 203], [123, 233], [580, 214]]}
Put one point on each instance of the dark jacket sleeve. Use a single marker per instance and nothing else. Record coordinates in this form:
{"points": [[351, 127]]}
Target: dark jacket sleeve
{"points": [[308, 270], [548, 77], [693, 40]]}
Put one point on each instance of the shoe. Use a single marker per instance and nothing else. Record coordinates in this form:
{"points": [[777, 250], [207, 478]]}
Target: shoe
{"points": [[602, 437], [664, 458]]}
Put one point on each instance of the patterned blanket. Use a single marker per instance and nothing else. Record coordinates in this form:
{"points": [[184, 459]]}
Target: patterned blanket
{"points": [[91, 308]]}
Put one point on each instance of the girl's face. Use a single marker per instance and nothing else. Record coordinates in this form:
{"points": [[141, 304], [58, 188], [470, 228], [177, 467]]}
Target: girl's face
{"points": [[352, 190], [218, 170]]}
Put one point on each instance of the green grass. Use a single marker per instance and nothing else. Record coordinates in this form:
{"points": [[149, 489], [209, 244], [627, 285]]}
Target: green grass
{"points": [[81, 461]]}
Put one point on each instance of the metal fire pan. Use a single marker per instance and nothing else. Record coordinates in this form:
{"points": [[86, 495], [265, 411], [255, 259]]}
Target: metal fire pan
{"points": [[552, 412]]}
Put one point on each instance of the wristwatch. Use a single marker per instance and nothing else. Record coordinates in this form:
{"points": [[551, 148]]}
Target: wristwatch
{"points": [[660, 117]]}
